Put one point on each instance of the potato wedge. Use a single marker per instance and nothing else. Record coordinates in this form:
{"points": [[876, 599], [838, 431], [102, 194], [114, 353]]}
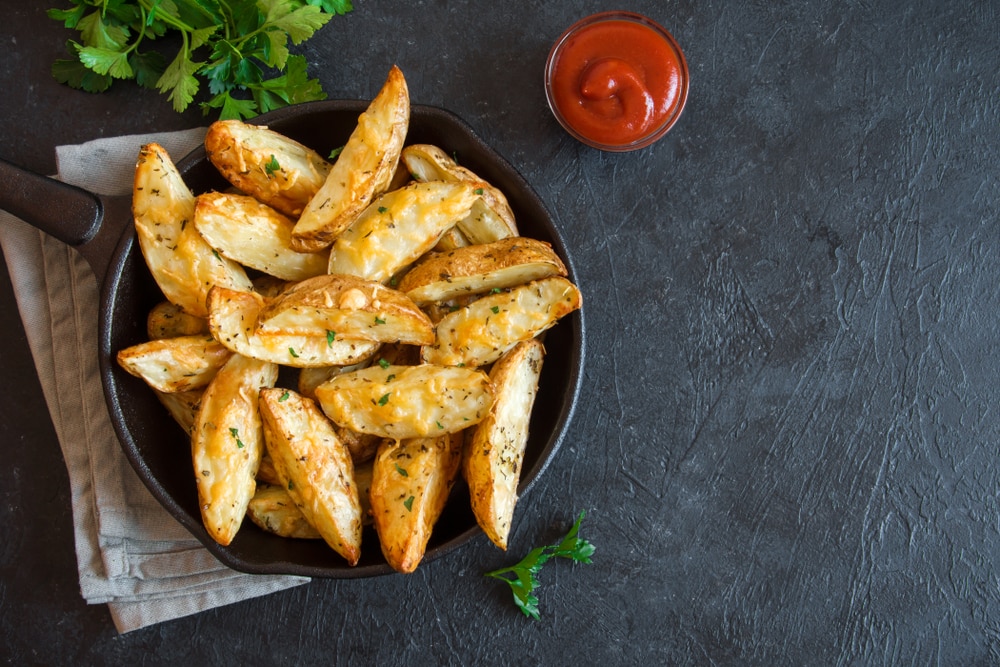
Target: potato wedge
{"points": [[175, 364], [363, 169], [481, 268], [227, 443], [482, 331], [168, 320], [266, 474], [232, 319], [274, 511], [316, 467], [181, 261], [495, 451], [411, 481], [255, 235], [268, 166], [182, 405], [348, 306], [399, 227], [407, 401], [491, 217]]}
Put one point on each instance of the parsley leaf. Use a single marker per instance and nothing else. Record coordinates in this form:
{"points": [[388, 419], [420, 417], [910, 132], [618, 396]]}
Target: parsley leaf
{"points": [[236, 50], [523, 576]]}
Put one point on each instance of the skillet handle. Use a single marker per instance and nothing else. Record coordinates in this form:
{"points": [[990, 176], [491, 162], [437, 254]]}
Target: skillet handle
{"points": [[71, 214]]}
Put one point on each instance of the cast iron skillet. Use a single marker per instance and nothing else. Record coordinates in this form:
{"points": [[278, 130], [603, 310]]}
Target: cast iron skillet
{"points": [[101, 229]]}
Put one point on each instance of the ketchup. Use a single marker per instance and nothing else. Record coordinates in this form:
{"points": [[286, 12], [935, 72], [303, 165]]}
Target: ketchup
{"points": [[617, 81]]}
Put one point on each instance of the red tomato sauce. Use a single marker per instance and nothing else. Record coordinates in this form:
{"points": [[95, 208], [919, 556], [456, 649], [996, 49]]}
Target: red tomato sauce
{"points": [[616, 82]]}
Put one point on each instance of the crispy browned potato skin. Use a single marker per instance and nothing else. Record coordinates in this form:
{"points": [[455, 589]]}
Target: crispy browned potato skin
{"points": [[411, 481], [495, 450], [168, 320], [480, 268], [316, 468], [274, 511], [246, 156], [363, 170], [227, 443]]}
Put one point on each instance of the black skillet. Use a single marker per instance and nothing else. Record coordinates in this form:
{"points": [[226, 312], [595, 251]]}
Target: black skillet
{"points": [[101, 229]]}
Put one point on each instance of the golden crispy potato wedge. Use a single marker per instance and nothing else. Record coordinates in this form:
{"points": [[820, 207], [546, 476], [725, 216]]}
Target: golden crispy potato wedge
{"points": [[175, 364], [495, 451], [266, 474], [255, 235], [407, 401], [274, 511], [481, 268], [363, 169], [491, 217], [181, 261], [168, 320], [316, 467], [182, 405], [411, 480], [269, 286], [268, 166], [479, 333], [348, 306], [310, 378], [399, 227], [227, 443], [233, 321]]}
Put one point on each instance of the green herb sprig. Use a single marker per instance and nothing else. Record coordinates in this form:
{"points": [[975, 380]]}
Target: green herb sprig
{"points": [[239, 48], [525, 573]]}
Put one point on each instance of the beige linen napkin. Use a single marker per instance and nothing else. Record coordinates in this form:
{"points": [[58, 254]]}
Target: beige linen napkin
{"points": [[131, 553]]}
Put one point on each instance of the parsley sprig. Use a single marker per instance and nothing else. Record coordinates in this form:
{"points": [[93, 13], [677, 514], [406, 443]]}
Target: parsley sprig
{"points": [[240, 48], [525, 573]]}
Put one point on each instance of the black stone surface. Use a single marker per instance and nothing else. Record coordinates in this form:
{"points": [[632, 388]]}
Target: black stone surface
{"points": [[787, 436]]}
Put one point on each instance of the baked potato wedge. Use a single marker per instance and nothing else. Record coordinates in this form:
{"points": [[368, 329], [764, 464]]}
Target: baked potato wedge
{"points": [[168, 320], [363, 169], [233, 317], [411, 481], [407, 401], [182, 405], [481, 268], [490, 218], [274, 511], [255, 235], [398, 227], [181, 261], [315, 466], [175, 364], [481, 332], [495, 450], [348, 306], [268, 166], [227, 443]]}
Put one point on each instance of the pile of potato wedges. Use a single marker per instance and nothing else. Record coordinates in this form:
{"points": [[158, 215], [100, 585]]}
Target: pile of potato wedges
{"points": [[394, 282]]}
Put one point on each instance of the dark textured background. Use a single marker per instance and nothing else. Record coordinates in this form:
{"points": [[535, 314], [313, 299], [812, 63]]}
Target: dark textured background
{"points": [[787, 435]]}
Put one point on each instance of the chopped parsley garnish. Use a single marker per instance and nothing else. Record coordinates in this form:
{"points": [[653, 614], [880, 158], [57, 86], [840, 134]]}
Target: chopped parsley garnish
{"points": [[524, 580], [401, 471], [408, 504], [384, 399], [272, 166], [235, 432]]}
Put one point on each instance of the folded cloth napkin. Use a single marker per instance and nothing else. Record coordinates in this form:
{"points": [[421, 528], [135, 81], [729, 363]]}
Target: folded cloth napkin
{"points": [[131, 553]]}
